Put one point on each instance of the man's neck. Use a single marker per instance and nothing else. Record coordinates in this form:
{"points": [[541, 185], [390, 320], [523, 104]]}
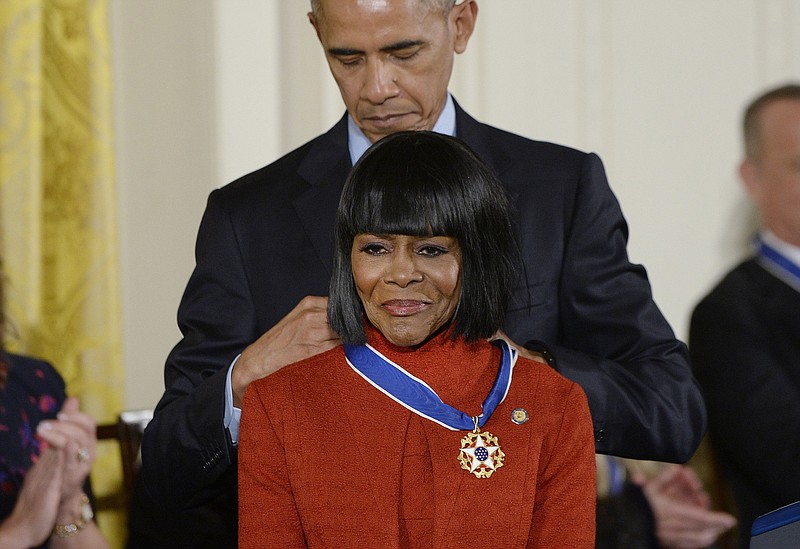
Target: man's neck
{"points": [[358, 143]]}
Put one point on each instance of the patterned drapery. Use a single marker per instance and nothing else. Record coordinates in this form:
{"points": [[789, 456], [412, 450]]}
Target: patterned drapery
{"points": [[58, 221]]}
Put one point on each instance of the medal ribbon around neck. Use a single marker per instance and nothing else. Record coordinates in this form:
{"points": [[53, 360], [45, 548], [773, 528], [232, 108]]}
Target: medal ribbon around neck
{"points": [[778, 264], [480, 453]]}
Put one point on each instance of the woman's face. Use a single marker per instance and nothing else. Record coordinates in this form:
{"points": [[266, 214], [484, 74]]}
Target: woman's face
{"points": [[409, 285]]}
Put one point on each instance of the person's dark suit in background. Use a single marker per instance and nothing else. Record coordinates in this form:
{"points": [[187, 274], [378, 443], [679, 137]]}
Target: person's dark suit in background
{"points": [[745, 334], [265, 245]]}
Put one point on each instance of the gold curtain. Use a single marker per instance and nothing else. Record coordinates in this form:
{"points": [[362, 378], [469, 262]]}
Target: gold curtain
{"points": [[58, 218]]}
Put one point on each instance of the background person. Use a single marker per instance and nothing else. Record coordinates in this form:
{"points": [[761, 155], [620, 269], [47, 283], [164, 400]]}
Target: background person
{"points": [[264, 257], [745, 334], [346, 449], [47, 447], [652, 505]]}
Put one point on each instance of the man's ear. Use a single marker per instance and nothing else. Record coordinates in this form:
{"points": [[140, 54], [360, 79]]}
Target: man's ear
{"points": [[751, 178], [463, 16], [314, 24]]}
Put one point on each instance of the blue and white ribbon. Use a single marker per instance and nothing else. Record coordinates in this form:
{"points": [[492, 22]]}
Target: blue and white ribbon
{"points": [[778, 264], [414, 394]]}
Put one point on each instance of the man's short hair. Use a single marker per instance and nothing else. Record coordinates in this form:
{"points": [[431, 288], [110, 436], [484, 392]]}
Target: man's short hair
{"points": [[751, 126], [444, 5], [420, 183]]}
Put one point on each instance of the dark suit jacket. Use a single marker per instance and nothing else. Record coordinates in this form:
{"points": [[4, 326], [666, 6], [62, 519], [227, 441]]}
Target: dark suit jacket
{"points": [[745, 348], [266, 241]]}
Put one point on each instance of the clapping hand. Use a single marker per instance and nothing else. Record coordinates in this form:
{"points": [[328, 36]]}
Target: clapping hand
{"points": [[681, 508]]}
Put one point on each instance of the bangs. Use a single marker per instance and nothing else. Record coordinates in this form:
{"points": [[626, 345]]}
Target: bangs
{"points": [[396, 210], [415, 198]]}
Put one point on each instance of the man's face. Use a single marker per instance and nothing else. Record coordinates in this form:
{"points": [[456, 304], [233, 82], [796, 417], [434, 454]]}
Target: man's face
{"points": [[391, 59], [775, 174]]}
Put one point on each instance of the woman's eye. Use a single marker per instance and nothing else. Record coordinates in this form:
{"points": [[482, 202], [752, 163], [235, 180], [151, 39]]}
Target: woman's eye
{"points": [[432, 251], [373, 249]]}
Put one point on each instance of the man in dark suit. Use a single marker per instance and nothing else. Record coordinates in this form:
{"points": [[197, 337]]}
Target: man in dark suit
{"points": [[265, 247], [745, 334]]}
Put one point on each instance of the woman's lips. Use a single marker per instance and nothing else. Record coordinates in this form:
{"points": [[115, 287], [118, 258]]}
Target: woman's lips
{"points": [[404, 307]]}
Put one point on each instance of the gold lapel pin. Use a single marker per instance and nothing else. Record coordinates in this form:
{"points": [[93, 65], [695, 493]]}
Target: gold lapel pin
{"points": [[519, 416]]}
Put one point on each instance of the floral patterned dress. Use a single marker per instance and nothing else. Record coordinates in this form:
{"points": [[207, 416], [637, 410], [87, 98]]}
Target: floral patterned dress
{"points": [[32, 391]]}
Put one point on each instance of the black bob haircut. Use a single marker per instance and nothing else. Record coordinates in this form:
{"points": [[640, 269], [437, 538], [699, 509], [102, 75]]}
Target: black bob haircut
{"points": [[420, 183]]}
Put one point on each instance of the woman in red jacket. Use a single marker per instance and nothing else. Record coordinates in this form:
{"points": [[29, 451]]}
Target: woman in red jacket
{"points": [[412, 433]]}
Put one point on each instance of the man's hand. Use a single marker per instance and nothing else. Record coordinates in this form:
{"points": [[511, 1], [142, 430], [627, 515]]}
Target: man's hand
{"points": [[523, 352], [681, 509], [302, 333]]}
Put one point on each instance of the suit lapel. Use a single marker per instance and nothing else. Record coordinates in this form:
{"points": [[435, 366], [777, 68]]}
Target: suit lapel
{"points": [[473, 133], [779, 297], [324, 168], [493, 154]]}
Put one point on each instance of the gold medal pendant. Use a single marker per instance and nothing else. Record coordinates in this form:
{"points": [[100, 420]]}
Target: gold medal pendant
{"points": [[480, 453]]}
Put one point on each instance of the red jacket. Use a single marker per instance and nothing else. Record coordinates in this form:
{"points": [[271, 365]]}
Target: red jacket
{"points": [[327, 460]]}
